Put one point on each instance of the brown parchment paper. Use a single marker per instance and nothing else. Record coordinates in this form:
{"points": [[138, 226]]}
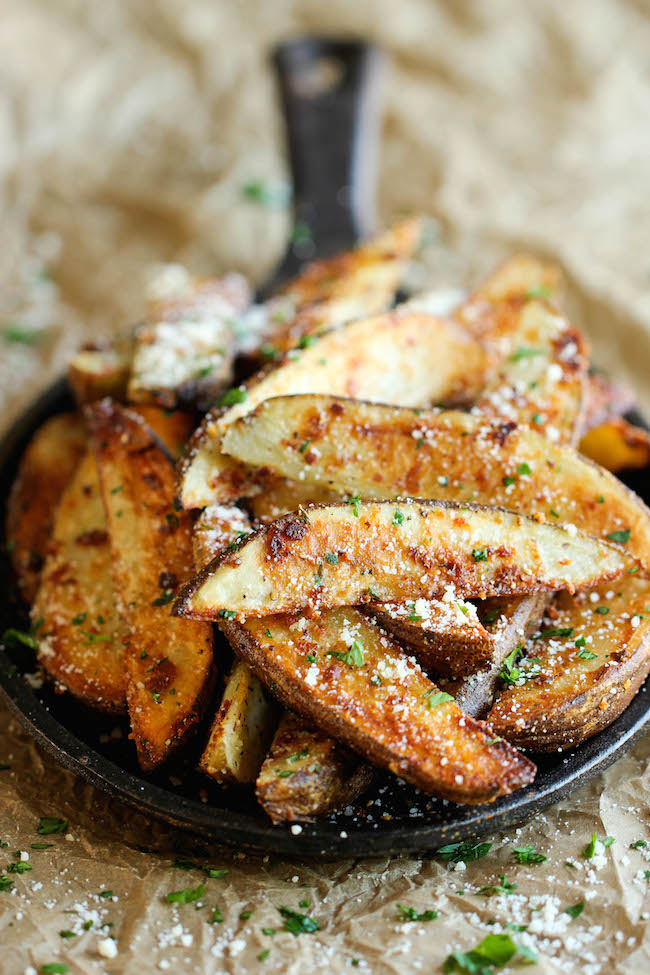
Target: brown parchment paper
{"points": [[127, 130]]}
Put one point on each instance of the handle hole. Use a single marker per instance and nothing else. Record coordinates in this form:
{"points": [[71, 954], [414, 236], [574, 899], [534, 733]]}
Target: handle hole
{"points": [[318, 77]]}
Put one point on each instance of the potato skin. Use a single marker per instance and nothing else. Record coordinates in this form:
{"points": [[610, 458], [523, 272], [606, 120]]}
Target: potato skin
{"points": [[46, 467]]}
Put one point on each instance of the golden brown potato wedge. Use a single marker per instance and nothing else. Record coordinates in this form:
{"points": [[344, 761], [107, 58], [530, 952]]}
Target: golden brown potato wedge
{"points": [[382, 451], [353, 553], [184, 350], [101, 369], [241, 731], [246, 718], [540, 378], [46, 467], [508, 621], [399, 357], [345, 674], [308, 773], [351, 285], [617, 445], [521, 276], [168, 661], [81, 637], [581, 671], [444, 635]]}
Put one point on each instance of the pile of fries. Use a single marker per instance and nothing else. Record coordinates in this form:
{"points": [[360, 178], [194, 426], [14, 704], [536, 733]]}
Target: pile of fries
{"points": [[397, 524]]}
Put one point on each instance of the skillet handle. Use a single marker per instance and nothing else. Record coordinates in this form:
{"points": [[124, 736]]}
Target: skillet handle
{"points": [[329, 96]]}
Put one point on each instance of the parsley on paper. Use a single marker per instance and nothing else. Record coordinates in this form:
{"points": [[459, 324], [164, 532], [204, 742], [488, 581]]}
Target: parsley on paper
{"points": [[187, 895], [590, 848], [494, 951], [576, 910], [54, 968], [528, 854], [464, 851], [296, 923], [217, 916], [503, 887], [410, 914], [638, 844], [5, 884], [51, 824]]}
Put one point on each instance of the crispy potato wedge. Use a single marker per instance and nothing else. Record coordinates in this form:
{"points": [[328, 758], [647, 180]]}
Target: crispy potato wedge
{"points": [[400, 357], [45, 469], [444, 635], [308, 773], [81, 636], [522, 277], [581, 671], [246, 719], [508, 621], [606, 400], [168, 662], [101, 369], [383, 452], [617, 445], [241, 731], [362, 689], [351, 285], [184, 350], [353, 553], [540, 378]]}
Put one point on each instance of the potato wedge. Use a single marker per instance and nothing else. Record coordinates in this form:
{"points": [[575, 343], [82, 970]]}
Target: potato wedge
{"points": [[241, 731], [383, 452], [246, 718], [308, 773], [46, 467], [508, 621], [81, 636], [351, 285], [281, 495], [354, 682], [184, 350], [444, 635], [353, 553], [540, 378], [617, 445], [593, 654], [400, 357], [168, 662], [101, 369], [521, 276]]}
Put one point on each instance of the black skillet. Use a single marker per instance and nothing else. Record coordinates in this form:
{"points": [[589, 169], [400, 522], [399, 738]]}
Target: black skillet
{"points": [[327, 94]]}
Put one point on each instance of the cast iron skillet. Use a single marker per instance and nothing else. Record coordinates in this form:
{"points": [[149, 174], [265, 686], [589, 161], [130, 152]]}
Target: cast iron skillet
{"points": [[326, 149]]}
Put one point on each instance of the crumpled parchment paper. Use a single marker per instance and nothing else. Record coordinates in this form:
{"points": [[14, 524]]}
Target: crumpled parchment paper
{"points": [[127, 133]]}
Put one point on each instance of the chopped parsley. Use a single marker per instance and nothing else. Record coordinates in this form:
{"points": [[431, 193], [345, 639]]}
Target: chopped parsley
{"points": [[20, 867], [494, 951], [306, 341], [296, 923], [479, 554], [564, 631], [541, 291], [187, 895], [503, 887], [51, 824], [41, 846], [271, 195], [304, 447], [464, 851], [576, 910], [172, 521], [622, 537], [603, 610], [54, 968], [528, 854], [5, 884], [586, 654], [78, 620], [489, 616], [434, 698], [590, 848], [217, 916], [638, 844], [12, 637], [283, 773], [167, 597], [398, 518], [355, 502], [227, 614], [234, 396], [65, 933], [354, 656], [332, 558], [410, 914], [17, 335], [524, 352], [524, 469]]}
